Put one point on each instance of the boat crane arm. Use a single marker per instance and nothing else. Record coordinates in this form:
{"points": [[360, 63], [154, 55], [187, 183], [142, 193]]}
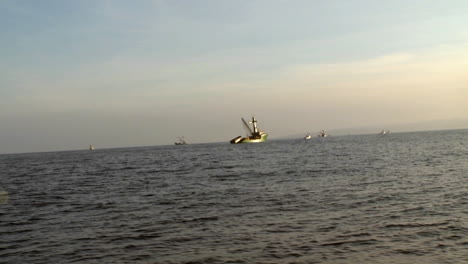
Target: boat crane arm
{"points": [[247, 126]]}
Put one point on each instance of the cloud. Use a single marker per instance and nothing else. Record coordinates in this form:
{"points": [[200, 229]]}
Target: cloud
{"points": [[393, 88], [402, 77], [408, 85]]}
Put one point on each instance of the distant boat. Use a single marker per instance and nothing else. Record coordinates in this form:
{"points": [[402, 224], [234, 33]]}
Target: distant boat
{"points": [[384, 132], [91, 147], [322, 134], [181, 141], [255, 135], [308, 136]]}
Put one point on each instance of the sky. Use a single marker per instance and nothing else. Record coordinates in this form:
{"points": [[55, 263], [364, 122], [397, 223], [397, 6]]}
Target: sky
{"points": [[142, 73]]}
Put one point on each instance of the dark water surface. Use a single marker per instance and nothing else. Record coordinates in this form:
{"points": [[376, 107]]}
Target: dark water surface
{"points": [[399, 198]]}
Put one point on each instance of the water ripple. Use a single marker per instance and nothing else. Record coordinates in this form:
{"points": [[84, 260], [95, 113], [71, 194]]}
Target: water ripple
{"points": [[369, 199]]}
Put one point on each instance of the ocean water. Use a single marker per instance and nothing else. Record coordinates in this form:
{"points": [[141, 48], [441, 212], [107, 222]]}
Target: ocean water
{"points": [[398, 198]]}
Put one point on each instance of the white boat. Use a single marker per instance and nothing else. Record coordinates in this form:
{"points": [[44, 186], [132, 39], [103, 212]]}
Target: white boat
{"points": [[255, 135], [91, 147], [308, 136], [384, 132]]}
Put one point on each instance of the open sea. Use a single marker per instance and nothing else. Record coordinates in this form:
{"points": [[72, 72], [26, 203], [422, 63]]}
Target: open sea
{"points": [[397, 198]]}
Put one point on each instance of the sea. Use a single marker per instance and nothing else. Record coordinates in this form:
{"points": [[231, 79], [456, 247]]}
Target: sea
{"points": [[396, 198]]}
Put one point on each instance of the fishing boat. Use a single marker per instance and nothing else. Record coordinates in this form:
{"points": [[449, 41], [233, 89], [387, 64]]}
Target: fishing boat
{"points": [[255, 134], [384, 132], [322, 134], [91, 147], [308, 136], [181, 141]]}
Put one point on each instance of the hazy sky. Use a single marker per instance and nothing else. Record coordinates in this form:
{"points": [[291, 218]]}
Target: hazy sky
{"points": [[139, 73]]}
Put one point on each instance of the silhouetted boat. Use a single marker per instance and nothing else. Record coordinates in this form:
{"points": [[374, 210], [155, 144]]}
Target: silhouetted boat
{"points": [[322, 134], [181, 141]]}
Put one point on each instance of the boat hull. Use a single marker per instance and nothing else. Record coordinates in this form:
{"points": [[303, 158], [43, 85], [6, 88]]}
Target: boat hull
{"points": [[239, 140]]}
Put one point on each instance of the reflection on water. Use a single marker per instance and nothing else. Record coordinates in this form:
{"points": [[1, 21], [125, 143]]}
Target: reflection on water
{"points": [[3, 197]]}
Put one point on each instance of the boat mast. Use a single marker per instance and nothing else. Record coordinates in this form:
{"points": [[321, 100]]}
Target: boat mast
{"points": [[254, 124]]}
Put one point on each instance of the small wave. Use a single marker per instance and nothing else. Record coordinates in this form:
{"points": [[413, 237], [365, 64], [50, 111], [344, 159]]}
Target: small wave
{"points": [[211, 168], [139, 258], [147, 236], [205, 260], [225, 177], [429, 233], [358, 242], [201, 219], [355, 235], [414, 225], [128, 168], [182, 239], [409, 251], [166, 202]]}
